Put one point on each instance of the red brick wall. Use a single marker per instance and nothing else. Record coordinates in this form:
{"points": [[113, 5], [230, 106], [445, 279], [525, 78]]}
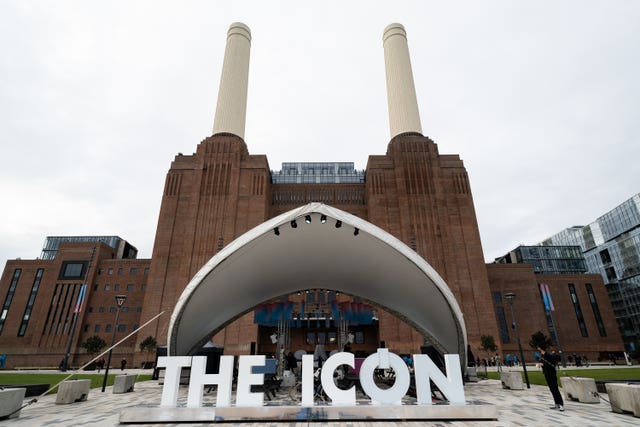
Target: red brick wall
{"points": [[530, 315], [421, 197], [424, 199]]}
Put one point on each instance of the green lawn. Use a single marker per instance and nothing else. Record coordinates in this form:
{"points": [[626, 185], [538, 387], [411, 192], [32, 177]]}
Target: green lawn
{"points": [[536, 377], [52, 379]]}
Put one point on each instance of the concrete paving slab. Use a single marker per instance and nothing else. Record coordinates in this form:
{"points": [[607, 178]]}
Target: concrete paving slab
{"points": [[528, 407]]}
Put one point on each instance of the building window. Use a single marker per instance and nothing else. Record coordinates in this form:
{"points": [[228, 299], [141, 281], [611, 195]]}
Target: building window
{"points": [[95, 287], [107, 328], [138, 309], [116, 287], [143, 287], [605, 257], [497, 297], [133, 271], [135, 327], [90, 310], [578, 310], [100, 271], [101, 310], [112, 309], [611, 273], [125, 309], [502, 325], [96, 328], [131, 288], [596, 310], [9, 297], [122, 328], [359, 338], [32, 299], [86, 328], [146, 271], [72, 270], [110, 271], [107, 287], [119, 271]]}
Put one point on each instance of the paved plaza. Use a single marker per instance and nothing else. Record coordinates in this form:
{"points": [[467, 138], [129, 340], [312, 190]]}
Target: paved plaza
{"points": [[528, 407]]}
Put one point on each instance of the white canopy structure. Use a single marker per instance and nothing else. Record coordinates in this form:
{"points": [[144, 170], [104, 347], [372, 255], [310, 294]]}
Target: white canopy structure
{"points": [[276, 259]]}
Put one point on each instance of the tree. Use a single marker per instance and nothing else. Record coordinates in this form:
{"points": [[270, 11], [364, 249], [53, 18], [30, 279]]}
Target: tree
{"points": [[539, 339], [148, 345], [94, 345], [488, 344]]}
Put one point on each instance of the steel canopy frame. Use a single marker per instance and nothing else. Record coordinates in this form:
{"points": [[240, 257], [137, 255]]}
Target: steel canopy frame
{"points": [[261, 265]]}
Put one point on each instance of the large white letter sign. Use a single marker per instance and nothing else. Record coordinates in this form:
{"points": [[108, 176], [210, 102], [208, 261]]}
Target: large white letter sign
{"points": [[451, 385], [336, 394], [173, 367], [384, 360], [199, 378], [307, 380], [246, 379]]}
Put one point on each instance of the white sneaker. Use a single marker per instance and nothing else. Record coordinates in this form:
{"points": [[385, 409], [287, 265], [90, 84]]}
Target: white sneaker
{"points": [[561, 408]]}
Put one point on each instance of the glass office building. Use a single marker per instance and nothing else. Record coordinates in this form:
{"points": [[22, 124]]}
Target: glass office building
{"points": [[547, 259], [52, 243], [611, 247]]}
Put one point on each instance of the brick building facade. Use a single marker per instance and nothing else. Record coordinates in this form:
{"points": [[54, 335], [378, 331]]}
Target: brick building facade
{"points": [[586, 327], [41, 298], [421, 197]]}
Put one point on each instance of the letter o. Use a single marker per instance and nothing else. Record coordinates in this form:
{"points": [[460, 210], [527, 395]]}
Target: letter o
{"points": [[400, 386]]}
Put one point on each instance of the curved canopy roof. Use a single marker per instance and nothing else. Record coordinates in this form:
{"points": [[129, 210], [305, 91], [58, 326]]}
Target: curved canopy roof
{"points": [[261, 265]]}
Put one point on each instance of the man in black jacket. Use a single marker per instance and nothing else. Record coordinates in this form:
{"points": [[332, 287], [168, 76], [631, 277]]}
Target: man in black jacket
{"points": [[548, 363]]}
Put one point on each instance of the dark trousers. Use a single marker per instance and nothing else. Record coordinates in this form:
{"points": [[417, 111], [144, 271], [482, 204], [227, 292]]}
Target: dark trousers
{"points": [[552, 382]]}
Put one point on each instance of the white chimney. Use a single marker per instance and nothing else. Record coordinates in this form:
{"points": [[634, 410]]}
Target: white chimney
{"points": [[401, 93], [231, 109]]}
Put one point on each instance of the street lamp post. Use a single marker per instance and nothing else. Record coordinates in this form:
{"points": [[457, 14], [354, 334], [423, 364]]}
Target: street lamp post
{"points": [[120, 299], [509, 296]]}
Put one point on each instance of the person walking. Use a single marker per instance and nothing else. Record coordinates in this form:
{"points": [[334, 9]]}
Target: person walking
{"points": [[548, 363]]}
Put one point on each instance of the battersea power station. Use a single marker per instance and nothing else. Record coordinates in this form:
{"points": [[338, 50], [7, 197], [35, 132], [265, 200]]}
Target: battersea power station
{"points": [[250, 260]]}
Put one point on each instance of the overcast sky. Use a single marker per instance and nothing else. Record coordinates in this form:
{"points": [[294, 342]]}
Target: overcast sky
{"points": [[541, 100]]}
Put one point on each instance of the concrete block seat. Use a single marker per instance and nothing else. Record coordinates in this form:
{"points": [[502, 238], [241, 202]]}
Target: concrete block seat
{"points": [[71, 391], [124, 383], [511, 380], [581, 389], [624, 398], [11, 401], [472, 374], [32, 389]]}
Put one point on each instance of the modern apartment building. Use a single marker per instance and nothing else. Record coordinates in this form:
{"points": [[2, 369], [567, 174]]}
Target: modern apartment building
{"points": [[611, 248]]}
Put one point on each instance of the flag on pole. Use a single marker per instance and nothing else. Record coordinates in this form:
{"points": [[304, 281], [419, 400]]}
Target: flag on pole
{"points": [[83, 290], [546, 297]]}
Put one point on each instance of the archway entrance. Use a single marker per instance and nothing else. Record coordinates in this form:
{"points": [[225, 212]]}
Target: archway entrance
{"points": [[316, 247]]}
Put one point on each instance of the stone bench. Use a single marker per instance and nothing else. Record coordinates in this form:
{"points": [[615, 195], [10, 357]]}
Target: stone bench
{"points": [[73, 391], [472, 375], [511, 380], [624, 398], [10, 402], [124, 383], [601, 384], [32, 389], [581, 389]]}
